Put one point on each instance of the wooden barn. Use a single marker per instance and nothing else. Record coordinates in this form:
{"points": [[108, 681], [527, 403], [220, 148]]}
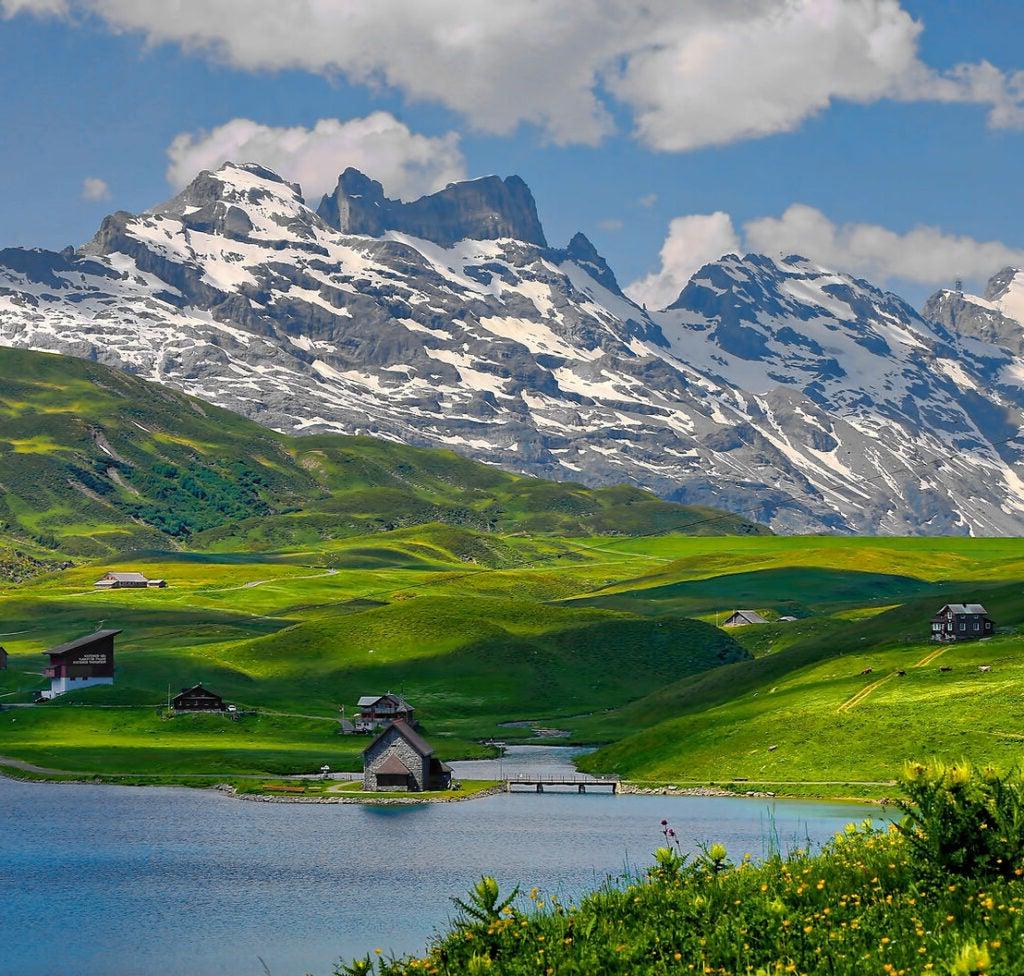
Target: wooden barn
{"points": [[960, 622], [376, 711], [81, 663], [128, 581], [3, 658], [197, 699], [744, 618], [401, 759]]}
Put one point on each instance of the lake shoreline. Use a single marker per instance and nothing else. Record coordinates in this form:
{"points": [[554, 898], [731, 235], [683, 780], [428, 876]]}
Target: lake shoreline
{"points": [[626, 788]]}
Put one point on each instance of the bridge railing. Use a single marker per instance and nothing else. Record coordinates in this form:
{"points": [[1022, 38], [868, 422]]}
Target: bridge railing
{"points": [[560, 779]]}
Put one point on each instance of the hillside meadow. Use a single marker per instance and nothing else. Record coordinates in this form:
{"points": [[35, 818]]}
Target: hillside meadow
{"points": [[613, 639]]}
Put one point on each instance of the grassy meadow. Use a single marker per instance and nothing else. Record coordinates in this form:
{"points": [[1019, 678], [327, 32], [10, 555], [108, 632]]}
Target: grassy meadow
{"points": [[612, 638]]}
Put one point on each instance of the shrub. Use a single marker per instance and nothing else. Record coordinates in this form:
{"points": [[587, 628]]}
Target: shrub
{"points": [[964, 822]]}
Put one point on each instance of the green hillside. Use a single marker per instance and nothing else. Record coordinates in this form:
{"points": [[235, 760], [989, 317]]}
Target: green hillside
{"points": [[800, 709], [95, 461]]}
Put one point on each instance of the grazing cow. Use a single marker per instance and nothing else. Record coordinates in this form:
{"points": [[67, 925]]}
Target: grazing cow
{"points": [[868, 671], [985, 667], [901, 673], [945, 669]]}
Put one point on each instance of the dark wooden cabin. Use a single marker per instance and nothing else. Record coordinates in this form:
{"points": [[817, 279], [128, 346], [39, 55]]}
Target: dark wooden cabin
{"points": [[377, 711], [81, 663], [960, 622], [3, 658], [197, 699]]}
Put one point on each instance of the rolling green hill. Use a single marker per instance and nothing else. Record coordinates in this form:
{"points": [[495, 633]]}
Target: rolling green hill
{"points": [[800, 709], [95, 461]]}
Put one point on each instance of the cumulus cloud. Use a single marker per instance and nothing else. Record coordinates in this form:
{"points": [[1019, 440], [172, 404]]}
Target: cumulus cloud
{"points": [[923, 255], [94, 189], [692, 241], [407, 163], [693, 72]]}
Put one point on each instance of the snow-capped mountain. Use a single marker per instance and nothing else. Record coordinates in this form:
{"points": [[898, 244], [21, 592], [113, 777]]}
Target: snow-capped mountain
{"points": [[807, 398]]}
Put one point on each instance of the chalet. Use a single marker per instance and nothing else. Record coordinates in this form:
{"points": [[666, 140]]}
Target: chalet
{"points": [[401, 759], [961, 621], [3, 659], [744, 618], [81, 663], [127, 581], [197, 699], [376, 711]]}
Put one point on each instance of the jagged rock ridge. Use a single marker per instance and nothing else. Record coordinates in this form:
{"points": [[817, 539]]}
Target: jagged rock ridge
{"points": [[486, 209], [773, 387]]}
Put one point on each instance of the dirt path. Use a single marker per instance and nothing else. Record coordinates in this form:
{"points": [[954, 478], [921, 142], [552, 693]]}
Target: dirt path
{"points": [[252, 584], [870, 689]]}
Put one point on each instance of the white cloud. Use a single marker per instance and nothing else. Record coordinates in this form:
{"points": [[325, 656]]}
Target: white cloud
{"points": [[41, 8], [407, 163], [94, 189], [922, 255], [693, 72], [648, 200], [610, 224], [691, 242]]}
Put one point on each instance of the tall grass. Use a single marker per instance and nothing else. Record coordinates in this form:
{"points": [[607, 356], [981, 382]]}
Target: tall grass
{"points": [[940, 892]]}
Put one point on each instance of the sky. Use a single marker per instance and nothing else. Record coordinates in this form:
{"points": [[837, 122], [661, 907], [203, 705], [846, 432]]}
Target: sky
{"points": [[880, 138]]}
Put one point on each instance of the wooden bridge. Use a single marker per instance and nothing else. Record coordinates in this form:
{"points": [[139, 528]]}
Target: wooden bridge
{"points": [[582, 783]]}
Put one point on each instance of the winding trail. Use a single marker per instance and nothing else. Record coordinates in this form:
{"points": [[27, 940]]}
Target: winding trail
{"points": [[870, 689]]}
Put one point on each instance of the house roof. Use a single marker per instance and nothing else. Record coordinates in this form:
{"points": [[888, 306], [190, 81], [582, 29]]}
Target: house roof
{"points": [[410, 735], [393, 766], [126, 577], [79, 642], [196, 690], [368, 700], [964, 608], [751, 616]]}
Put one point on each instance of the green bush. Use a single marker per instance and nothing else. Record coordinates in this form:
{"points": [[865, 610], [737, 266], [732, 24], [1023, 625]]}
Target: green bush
{"points": [[921, 897], [964, 822]]}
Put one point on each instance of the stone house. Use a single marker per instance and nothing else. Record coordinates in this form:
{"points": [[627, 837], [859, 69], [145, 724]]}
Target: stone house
{"points": [[401, 759]]}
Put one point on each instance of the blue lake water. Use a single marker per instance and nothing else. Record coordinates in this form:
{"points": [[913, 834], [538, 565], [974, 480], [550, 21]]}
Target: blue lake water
{"points": [[121, 881]]}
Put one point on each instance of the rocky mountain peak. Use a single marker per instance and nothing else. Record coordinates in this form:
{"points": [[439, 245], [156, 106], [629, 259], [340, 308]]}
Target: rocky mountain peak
{"points": [[1003, 282], [583, 252], [490, 208]]}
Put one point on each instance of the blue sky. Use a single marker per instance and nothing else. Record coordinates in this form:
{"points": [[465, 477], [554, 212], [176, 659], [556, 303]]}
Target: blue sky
{"points": [[84, 95]]}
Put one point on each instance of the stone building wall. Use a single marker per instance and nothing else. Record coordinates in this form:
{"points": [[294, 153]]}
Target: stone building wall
{"points": [[394, 743]]}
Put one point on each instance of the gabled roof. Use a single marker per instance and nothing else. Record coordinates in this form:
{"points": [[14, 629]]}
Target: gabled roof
{"points": [[751, 616], [964, 608], [411, 736], [393, 766], [367, 700], [126, 577], [197, 690], [79, 642]]}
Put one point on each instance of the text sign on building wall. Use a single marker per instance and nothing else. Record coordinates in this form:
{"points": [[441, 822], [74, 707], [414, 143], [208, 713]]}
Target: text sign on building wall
{"points": [[91, 659]]}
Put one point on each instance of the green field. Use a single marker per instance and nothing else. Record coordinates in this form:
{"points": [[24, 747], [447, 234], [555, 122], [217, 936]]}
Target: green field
{"points": [[613, 639]]}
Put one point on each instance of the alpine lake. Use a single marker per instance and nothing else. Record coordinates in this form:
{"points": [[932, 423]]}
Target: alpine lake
{"points": [[126, 881]]}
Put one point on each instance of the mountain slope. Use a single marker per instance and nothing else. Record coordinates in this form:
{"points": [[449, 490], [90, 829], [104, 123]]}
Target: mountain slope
{"points": [[770, 387], [94, 460]]}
